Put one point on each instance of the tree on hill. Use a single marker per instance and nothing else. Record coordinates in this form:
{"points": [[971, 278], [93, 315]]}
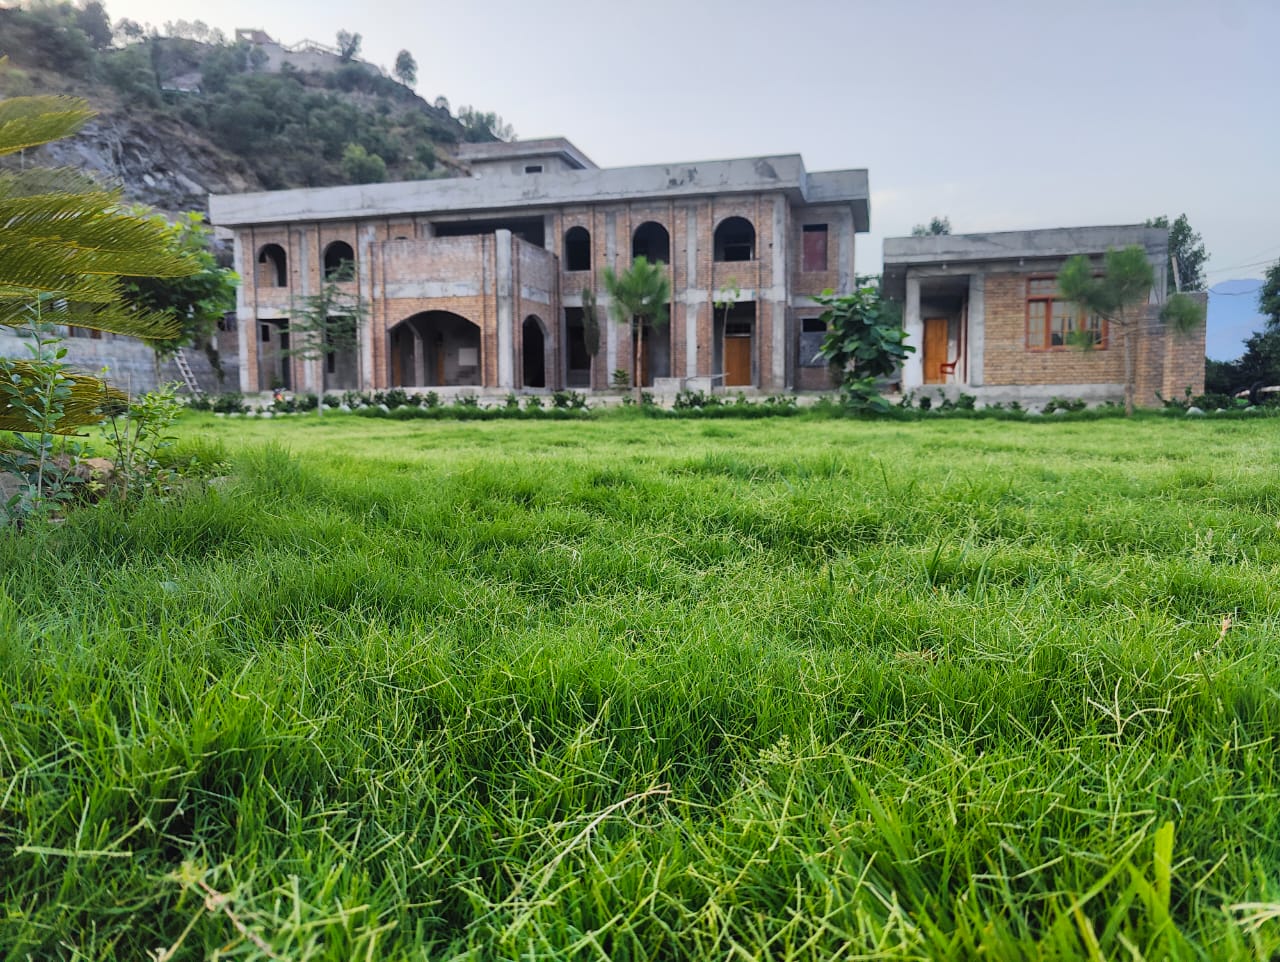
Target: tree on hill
{"points": [[638, 297], [406, 68], [480, 126], [361, 167], [938, 225], [1187, 255], [1120, 296], [348, 45]]}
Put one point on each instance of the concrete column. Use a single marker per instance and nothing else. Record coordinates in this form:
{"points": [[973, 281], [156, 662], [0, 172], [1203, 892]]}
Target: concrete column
{"points": [[247, 318], [419, 357], [913, 366], [608, 329], [692, 308], [845, 277], [977, 326], [506, 310], [777, 378], [365, 253]]}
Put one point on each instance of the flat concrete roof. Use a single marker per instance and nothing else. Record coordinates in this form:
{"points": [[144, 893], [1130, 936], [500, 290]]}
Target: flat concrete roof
{"points": [[959, 250], [516, 149], [511, 193], [1053, 242]]}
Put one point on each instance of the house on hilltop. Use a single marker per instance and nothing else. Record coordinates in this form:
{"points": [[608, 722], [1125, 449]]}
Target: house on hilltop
{"points": [[478, 282], [985, 315]]}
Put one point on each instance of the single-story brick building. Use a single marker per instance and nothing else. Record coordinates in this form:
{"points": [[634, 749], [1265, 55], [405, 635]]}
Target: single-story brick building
{"points": [[985, 315]]}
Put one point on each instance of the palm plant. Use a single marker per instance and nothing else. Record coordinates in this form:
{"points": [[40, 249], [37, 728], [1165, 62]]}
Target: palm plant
{"points": [[64, 247], [638, 296]]}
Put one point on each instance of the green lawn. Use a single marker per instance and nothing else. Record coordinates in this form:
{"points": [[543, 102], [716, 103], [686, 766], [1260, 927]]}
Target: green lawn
{"points": [[654, 689]]}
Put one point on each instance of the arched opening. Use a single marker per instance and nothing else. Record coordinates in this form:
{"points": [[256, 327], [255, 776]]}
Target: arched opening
{"points": [[435, 349], [339, 262], [735, 240], [652, 242], [577, 249], [273, 266], [533, 347]]}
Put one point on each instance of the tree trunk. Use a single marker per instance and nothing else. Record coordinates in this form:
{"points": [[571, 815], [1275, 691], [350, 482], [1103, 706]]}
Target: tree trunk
{"points": [[635, 360], [1128, 368]]}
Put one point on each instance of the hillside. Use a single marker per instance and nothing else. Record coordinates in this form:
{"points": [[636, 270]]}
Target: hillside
{"points": [[180, 117]]}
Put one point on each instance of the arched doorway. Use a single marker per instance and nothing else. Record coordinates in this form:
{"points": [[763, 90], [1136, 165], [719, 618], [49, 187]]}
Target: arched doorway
{"points": [[533, 347], [435, 349]]}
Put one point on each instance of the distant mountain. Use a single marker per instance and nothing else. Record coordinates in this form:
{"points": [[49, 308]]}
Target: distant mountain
{"points": [[1233, 316]]}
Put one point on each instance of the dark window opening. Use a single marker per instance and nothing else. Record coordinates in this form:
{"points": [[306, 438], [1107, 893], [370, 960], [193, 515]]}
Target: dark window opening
{"points": [[272, 266], [577, 249], [815, 247], [265, 333], [339, 262], [735, 240], [813, 325], [652, 242], [533, 169]]}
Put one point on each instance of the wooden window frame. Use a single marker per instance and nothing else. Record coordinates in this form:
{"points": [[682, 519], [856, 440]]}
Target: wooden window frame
{"points": [[1049, 300], [825, 231]]}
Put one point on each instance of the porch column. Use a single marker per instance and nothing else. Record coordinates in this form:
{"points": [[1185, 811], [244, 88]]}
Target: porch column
{"points": [[913, 366], [977, 326]]}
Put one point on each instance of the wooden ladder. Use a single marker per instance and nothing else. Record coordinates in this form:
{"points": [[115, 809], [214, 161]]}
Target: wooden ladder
{"points": [[188, 376]]}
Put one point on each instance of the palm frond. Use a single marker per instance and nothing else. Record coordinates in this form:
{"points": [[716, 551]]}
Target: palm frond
{"points": [[89, 398], [88, 233], [110, 317], [31, 121]]}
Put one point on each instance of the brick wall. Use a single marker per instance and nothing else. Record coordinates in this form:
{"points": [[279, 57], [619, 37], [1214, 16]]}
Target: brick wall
{"points": [[1006, 359]]}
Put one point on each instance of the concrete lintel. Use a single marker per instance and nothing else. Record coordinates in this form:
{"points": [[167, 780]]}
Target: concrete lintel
{"points": [[431, 289]]}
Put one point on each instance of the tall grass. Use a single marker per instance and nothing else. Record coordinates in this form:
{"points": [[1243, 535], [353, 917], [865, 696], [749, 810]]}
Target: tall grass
{"points": [[634, 689]]}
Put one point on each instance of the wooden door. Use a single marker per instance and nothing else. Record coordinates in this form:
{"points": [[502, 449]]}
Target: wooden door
{"points": [[737, 361], [935, 349]]}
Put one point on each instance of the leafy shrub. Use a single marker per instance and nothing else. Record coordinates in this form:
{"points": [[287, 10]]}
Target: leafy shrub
{"points": [[230, 403]]}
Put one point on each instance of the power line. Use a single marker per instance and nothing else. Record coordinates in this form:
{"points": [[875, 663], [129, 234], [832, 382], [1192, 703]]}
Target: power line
{"points": [[1235, 293]]}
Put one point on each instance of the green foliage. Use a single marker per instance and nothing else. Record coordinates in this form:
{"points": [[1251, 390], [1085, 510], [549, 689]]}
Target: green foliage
{"points": [[639, 296], [35, 393], [1186, 251], [137, 437], [481, 127], [937, 225], [198, 301], [1269, 296], [361, 167], [62, 251], [327, 323], [406, 69], [865, 342], [348, 45], [1119, 295]]}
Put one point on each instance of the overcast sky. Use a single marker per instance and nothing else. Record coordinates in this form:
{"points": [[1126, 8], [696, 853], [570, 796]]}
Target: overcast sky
{"points": [[1000, 114]]}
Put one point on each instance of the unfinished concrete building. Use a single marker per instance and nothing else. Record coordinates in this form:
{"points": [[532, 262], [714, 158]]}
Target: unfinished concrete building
{"points": [[477, 283]]}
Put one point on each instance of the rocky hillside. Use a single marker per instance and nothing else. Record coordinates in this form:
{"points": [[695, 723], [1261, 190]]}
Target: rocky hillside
{"points": [[181, 117]]}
